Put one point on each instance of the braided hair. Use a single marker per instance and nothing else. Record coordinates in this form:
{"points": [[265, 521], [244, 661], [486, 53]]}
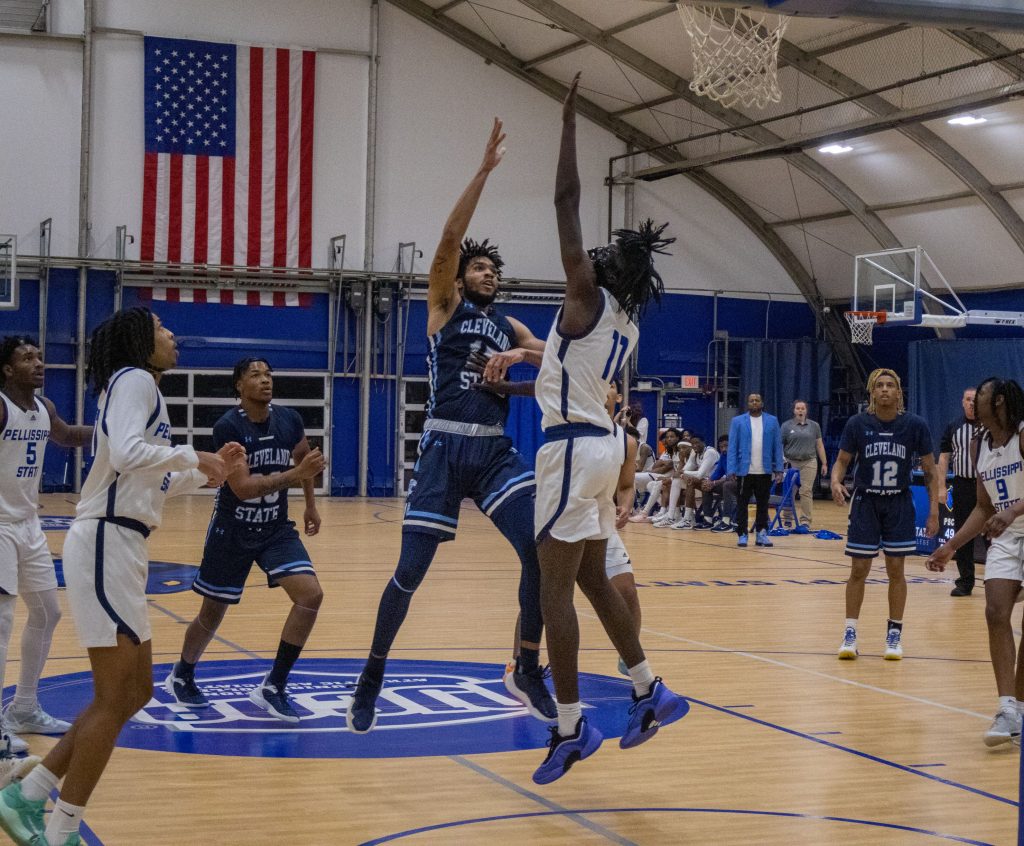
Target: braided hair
{"points": [[8, 347], [471, 249], [873, 378], [127, 339], [241, 368], [1013, 399], [625, 268]]}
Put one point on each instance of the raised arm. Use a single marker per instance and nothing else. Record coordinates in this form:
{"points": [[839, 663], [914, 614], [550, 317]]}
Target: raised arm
{"points": [[64, 434], [245, 485], [582, 298], [442, 294]]}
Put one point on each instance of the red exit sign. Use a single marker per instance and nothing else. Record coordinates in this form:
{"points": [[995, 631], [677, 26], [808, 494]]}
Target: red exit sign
{"points": [[690, 383]]}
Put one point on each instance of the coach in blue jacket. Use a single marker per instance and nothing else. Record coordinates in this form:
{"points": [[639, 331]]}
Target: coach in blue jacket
{"points": [[755, 455]]}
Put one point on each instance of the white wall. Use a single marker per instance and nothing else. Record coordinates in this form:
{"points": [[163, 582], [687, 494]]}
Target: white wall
{"points": [[436, 102]]}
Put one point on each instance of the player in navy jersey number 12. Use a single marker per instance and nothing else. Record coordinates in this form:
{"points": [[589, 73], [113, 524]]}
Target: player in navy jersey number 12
{"points": [[885, 441], [998, 454]]}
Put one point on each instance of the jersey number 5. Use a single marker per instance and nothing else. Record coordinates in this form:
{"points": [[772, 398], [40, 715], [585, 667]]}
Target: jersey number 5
{"points": [[30, 453]]}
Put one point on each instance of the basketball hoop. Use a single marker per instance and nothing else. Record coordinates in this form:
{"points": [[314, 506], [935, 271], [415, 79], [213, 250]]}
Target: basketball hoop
{"points": [[862, 324], [735, 54]]}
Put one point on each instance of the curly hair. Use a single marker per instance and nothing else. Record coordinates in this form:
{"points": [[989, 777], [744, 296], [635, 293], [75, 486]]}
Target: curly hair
{"points": [[873, 378], [127, 339], [1013, 399], [8, 347], [625, 267], [241, 366], [471, 249]]}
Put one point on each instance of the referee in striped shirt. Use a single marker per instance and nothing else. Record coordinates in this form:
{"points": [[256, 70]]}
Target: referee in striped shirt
{"points": [[955, 456]]}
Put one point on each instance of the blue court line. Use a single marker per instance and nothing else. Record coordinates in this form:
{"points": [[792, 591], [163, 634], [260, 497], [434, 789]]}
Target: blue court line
{"points": [[903, 767], [590, 811], [927, 765], [553, 807], [817, 733], [89, 837]]}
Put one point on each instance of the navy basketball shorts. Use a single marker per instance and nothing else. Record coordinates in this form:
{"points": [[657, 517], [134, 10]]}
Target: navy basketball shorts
{"points": [[231, 549], [452, 467], [881, 522]]}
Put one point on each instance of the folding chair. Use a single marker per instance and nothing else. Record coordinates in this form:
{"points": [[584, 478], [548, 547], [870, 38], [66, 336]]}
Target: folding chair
{"points": [[785, 501]]}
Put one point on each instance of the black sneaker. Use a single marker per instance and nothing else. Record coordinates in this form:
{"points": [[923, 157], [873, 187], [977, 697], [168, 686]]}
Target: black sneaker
{"points": [[361, 715], [274, 701], [701, 523], [183, 689], [529, 688]]}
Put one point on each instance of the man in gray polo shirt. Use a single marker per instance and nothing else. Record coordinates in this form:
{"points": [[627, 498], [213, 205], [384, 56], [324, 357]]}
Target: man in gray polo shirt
{"points": [[802, 447]]}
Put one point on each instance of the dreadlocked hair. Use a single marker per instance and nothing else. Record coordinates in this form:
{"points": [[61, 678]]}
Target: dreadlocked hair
{"points": [[471, 250], [241, 366], [873, 378], [7, 350], [625, 268], [125, 340], [1013, 399]]}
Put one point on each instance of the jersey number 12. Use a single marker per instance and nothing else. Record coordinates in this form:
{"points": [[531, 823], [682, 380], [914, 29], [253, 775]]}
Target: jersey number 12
{"points": [[885, 474]]}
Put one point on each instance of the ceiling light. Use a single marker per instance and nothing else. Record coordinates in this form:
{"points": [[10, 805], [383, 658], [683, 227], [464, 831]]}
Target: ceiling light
{"points": [[966, 120], [834, 149]]}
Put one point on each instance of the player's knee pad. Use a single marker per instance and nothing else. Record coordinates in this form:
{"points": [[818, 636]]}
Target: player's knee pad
{"points": [[418, 549]]}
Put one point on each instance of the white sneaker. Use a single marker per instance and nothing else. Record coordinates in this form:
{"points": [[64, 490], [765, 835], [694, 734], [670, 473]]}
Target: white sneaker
{"points": [[1005, 727], [36, 721], [641, 518], [683, 524], [10, 741], [14, 769], [848, 649], [893, 645], [663, 522]]}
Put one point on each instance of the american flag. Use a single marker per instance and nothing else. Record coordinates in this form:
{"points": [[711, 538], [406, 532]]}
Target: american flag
{"points": [[228, 177]]}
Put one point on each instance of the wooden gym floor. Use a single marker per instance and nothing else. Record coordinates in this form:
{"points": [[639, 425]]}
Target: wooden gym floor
{"points": [[783, 743]]}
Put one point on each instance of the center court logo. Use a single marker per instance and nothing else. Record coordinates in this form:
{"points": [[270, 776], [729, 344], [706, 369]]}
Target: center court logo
{"points": [[426, 708]]}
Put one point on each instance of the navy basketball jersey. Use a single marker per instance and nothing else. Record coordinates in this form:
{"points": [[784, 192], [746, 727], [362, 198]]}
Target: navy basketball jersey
{"points": [[885, 451], [268, 448], [452, 397]]}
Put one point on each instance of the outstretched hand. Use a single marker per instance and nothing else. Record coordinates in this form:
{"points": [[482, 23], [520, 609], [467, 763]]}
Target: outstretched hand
{"points": [[494, 152], [569, 104]]}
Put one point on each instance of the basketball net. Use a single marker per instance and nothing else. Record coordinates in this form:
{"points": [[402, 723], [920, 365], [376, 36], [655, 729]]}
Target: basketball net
{"points": [[862, 325], [735, 54]]}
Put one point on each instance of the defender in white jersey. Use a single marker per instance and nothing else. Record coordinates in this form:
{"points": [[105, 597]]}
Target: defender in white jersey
{"points": [[577, 468], [105, 564], [27, 422], [998, 452]]}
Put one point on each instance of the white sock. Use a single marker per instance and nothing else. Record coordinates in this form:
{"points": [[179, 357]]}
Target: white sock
{"points": [[643, 677], [851, 623], [1008, 703], [688, 514], [63, 822], [568, 716], [39, 783]]}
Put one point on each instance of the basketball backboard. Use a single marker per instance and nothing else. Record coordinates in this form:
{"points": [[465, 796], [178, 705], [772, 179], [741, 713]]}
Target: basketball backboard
{"points": [[8, 272], [983, 14]]}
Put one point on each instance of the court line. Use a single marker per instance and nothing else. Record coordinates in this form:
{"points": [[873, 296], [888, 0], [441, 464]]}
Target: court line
{"points": [[839, 747], [785, 814], [553, 807], [715, 648], [89, 837], [216, 637]]}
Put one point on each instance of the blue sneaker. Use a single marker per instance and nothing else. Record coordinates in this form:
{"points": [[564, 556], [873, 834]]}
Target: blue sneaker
{"points": [[19, 817], [658, 708], [741, 540], [563, 752], [274, 701], [528, 687], [802, 529], [762, 539], [183, 689], [361, 715]]}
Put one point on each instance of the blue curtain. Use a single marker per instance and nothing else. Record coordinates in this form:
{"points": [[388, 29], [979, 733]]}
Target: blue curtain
{"points": [[785, 371], [939, 371]]}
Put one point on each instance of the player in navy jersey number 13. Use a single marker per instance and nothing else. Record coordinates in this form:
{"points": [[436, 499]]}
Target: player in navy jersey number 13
{"points": [[998, 454], [885, 441], [250, 523]]}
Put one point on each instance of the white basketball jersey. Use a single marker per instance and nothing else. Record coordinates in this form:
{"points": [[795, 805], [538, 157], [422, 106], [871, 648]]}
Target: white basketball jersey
{"points": [[22, 445], [575, 374], [133, 435], [1001, 470]]}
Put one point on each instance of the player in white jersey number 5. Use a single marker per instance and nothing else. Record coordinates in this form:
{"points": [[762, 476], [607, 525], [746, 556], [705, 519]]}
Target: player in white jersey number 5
{"points": [[27, 422], [998, 514], [106, 561], [578, 466]]}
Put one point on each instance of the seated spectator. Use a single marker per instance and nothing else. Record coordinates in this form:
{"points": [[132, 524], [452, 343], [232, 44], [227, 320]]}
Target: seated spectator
{"points": [[699, 466], [652, 479], [719, 490], [672, 484]]}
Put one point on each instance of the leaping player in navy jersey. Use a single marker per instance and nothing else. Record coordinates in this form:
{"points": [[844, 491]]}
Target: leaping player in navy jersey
{"points": [[578, 466], [885, 440], [464, 452]]}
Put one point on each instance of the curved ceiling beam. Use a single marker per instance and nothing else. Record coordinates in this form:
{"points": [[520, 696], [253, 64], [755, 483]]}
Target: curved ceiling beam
{"points": [[834, 328], [919, 134]]}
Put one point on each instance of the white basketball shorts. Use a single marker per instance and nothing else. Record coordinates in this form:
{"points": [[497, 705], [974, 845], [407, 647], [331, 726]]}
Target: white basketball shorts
{"points": [[616, 559], [576, 481], [25, 561], [105, 567], [1005, 558]]}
